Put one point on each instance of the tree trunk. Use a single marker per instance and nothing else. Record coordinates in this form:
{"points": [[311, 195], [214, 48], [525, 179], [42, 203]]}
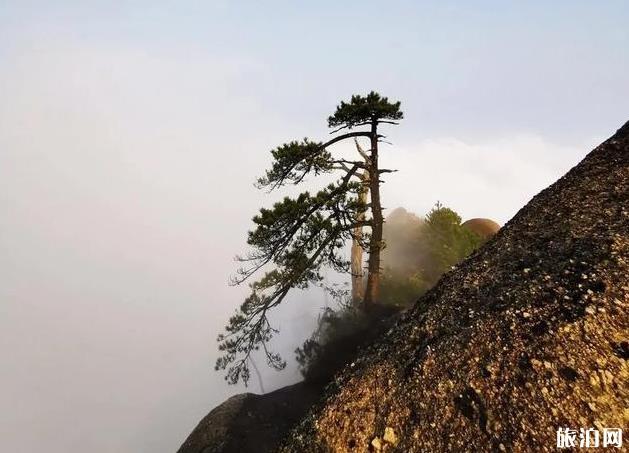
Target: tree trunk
{"points": [[358, 284], [372, 293]]}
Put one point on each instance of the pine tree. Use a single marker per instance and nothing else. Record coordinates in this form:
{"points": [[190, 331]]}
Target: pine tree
{"points": [[300, 236], [447, 241]]}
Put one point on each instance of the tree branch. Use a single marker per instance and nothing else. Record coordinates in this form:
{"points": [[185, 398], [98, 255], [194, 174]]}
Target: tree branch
{"points": [[364, 123], [344, 136], [287, 238], [361, 152], [351, 162], [252, 335]]}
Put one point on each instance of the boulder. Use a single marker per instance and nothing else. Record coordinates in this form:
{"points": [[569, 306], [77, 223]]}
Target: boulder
{"points": [[485, 228], [251, 423]]}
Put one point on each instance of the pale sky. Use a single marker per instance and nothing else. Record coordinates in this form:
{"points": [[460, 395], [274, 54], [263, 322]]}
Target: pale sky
{"points": [[130, 137]]}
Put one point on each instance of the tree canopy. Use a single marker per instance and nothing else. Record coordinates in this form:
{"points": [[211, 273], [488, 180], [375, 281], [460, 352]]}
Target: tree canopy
{"points": [[362, 110]]}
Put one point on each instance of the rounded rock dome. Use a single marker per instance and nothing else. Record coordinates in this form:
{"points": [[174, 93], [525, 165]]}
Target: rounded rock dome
{"points": [[483, 227]]}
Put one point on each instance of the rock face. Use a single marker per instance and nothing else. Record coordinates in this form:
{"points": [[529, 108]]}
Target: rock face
{"points": [[251, 423], [529, 334]]}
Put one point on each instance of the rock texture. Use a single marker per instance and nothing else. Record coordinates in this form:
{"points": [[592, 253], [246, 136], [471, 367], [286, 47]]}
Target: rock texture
{"points": [[527, 335], [251, 423]]}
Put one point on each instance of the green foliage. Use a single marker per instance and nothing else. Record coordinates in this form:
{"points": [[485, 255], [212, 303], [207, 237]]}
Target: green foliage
{"points": [[293, 161], [422, 252], [339, 336], [319, 357], [426, 250], [362, 110], [300, 236], [447, 241], [401, 289]]}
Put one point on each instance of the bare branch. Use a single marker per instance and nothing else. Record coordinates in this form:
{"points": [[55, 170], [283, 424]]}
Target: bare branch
{"points": [[361, 152], [355, 163], [340, 166]]}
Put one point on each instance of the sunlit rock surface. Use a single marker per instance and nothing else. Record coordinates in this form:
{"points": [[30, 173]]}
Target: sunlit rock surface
{"points": [[527, 335], [485, 228]]}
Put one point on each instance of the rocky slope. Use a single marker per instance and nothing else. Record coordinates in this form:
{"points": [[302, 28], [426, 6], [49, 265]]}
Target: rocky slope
{"points": [[527, 335], [251, 423]]}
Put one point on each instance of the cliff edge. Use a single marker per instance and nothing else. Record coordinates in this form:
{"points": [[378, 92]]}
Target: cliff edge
{"points": [[251, 423], [529, 334]]}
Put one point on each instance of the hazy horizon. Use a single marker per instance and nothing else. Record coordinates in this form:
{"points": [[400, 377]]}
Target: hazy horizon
{"points": [[131, 136]]}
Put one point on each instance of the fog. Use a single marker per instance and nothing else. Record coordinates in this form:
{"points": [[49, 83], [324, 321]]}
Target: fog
{"points": [[130, 139]]}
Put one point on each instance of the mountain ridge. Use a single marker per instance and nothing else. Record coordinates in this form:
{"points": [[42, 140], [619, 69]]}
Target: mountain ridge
{"points": [[527, 335]]}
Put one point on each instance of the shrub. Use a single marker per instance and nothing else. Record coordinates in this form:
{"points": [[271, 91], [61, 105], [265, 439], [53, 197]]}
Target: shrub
{"points": [[339, 336]]}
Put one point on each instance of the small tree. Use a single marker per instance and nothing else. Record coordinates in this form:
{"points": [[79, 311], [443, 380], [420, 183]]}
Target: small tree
{"points": [[420, 251], [447, 241], [299, 236]]}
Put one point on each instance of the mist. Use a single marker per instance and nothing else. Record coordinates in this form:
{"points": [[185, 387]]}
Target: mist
{"points": [[129, 146]]}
